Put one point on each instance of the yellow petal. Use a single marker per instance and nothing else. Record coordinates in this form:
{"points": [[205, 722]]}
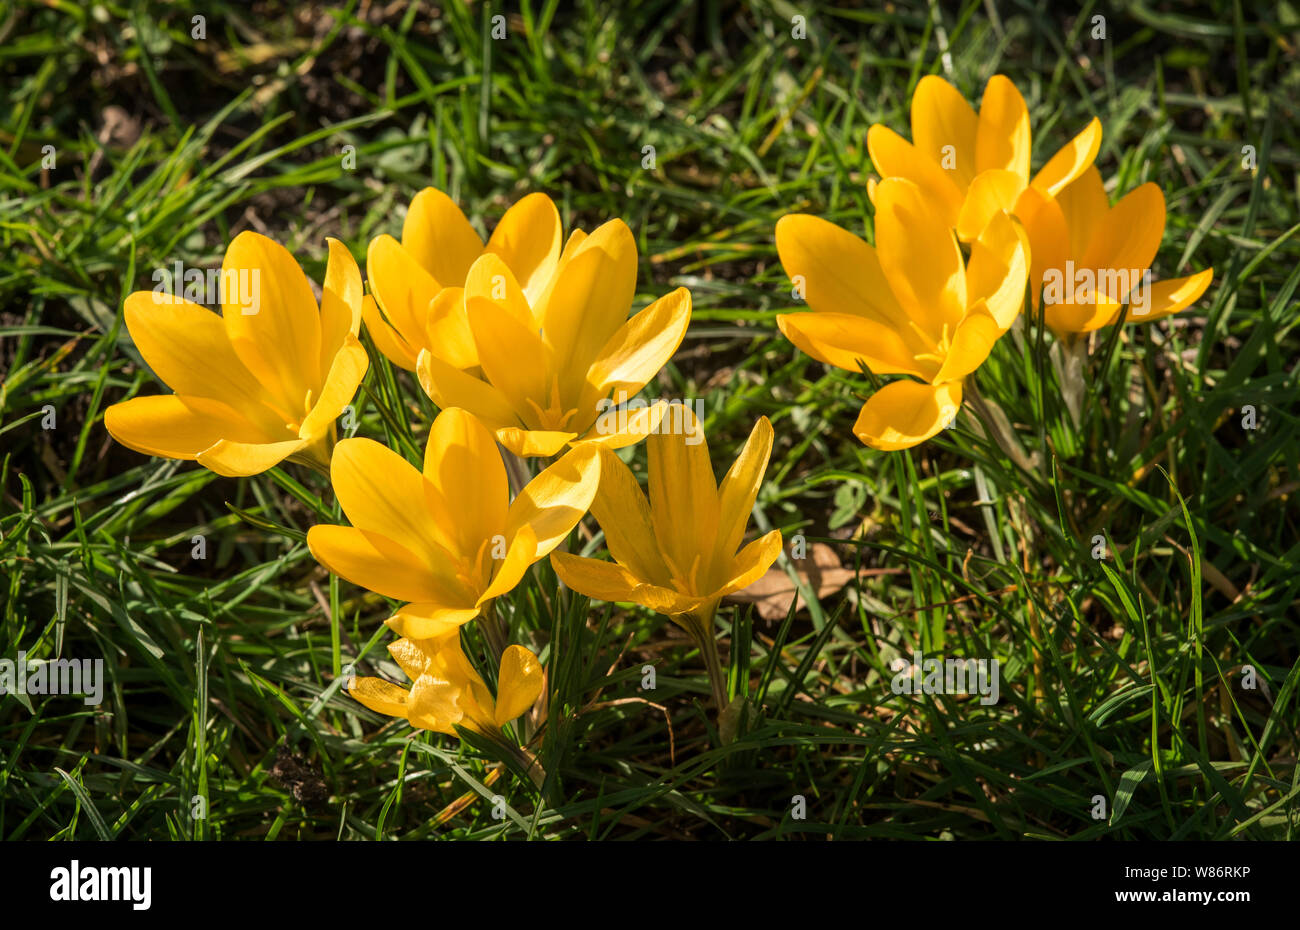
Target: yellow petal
{"points": [[991, 191], [844, 340], [739, 488], [439, 238], [1084, 205], [413, 660], [280, 343], [519, 684], [894, 157], [623, 513], [1168, 297], [387, 340], [509, 571], [553, 502], [1082, 316], [601, 581], [1128, 237], [177, 428], [401, 286], [340, 302], [642, 346], [448, 386], [490, 278], [377, 563], [187, 348], [1002, 140], [590, 296], [998, 269], [1049, 238], [436, 704], [618, 427], [944, 127], [241, 459], [447, 332], [528, 239], [346, 371], [423, 621], [751, 563], [383, 697], [903, 414], [920, 257], [836, 271], [971, 343], [467, 478], [528, 443], [515, 359], [683, 501], [1075, 157]]}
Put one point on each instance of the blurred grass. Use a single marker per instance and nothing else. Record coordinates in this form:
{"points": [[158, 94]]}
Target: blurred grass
{"points": [[1120, 679]]}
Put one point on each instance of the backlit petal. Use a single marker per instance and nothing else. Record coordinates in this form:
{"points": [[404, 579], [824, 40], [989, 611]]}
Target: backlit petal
{"points": [[998, 269], [1075, 157], [601, 581], [739, 489], [402, 287], [173, 427], [383, 697], [842, 340], [519, 684], [623, 512], [683, 501], [1168, 297], [944, 127], [642, 346], [991, 191], [448, 386], [439, 238], [340, 302], [240, 459], [1002, 140], [377, 563], [895, 157], [528, 238], [751, 563], [553, 502], [920, 256], [464, 471], [903, 414], [1129, 235], [346, 371]]}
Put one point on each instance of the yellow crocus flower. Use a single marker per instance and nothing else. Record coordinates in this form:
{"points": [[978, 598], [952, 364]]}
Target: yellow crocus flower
{"points": [[1090, 258], [448, 539], [446, 692], [554, 367], [679, 551], [419, 284], [910, 305], [972, 166], [261, 382]]}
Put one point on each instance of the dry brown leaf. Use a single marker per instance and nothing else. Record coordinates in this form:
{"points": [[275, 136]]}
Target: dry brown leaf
{"points": [[771, 595]]}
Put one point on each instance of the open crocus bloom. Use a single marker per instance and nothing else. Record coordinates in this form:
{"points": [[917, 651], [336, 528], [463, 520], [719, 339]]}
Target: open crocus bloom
{"points": [[1091, 258], [908, 306], [555, 368], [419, 284], [678, 552], [972, 166], [263, 381], [447, 692], [448, 539]]}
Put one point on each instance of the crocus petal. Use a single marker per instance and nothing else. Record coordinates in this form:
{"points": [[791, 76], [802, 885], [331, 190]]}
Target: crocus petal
{"points": [[751, 563], [1168, 297], [430, 620], [601, 581], [467, 478], [553, 502], [383, 697], [514, 357], [895, 157], [683, 500], [435, 704], [1002, 140], [413, 660], [991, 191], [241, 459], [528, 238], [1080, 316], [446, 330], [387, 340], [903, 414], [380, 491], [340, 302], [377, 563], [836, 271], [401, 285], [527, 443], [1129, 236], [279, 341], [641, 346], [998, 269], [519, 684], [345, 373], [448, 386], [173, 427], [1049, 238], [521, 553], [945, 127], [589, 296], [971, 343], [1084, 205], [1071, 161], [617, 428], [187, 348], [490, 278], [438, 237], [739, 488], [623, 512], [845, 340], [920, 256]]}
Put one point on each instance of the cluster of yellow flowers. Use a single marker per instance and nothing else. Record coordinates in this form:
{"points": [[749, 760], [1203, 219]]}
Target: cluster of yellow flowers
{"points": [[524, 341]]}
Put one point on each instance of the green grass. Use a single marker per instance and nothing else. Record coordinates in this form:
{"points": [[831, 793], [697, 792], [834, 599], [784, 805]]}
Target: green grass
{"points": [[1120, 678]]}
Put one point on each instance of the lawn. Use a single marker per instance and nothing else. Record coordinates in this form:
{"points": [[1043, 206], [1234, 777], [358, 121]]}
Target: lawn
{"points": [[1115, 524]]}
